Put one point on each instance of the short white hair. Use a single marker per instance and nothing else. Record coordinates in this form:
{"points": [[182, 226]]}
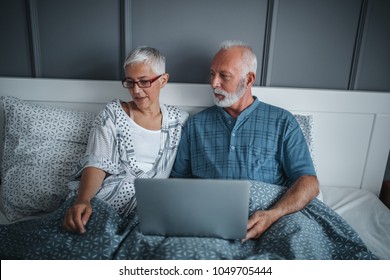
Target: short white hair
{"points": [[148, 55], [250, 59]]}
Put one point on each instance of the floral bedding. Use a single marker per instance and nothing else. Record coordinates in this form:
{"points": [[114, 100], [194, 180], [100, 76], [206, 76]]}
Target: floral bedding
{"points": [[316, 232]]}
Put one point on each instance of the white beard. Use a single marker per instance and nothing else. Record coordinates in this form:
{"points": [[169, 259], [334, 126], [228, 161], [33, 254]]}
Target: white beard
{"points": [[229, 98]]}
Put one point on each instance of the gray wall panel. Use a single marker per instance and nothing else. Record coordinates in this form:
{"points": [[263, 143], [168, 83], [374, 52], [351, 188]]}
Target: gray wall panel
{"points": [[189, 32], [299, 43], [312, 43], [374, 61], [80, 39], [14, 47]]}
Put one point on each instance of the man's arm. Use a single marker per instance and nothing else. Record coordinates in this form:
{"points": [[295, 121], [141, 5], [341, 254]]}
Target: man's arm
{"points": [[182, 166], [304, 189]]}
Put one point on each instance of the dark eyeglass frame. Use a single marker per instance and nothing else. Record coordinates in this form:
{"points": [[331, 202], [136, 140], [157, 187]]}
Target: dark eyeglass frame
{"points": [[151, 81]]}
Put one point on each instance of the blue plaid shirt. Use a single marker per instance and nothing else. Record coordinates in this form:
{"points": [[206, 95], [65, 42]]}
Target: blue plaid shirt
{"points": [[265, 143]]}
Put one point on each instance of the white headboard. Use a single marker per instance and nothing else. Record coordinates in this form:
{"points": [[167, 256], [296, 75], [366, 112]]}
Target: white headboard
{"points": [[351, 128]]}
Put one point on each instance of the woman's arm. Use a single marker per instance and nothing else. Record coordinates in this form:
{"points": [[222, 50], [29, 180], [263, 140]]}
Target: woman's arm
{"points": [[78, 215]]}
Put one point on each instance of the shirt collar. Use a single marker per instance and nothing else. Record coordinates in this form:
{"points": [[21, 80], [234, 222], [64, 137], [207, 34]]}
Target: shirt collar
{"points": [[244, 114]]}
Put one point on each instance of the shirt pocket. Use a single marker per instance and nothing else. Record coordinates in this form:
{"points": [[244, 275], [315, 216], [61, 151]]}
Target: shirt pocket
{"points": [[263, 164]]}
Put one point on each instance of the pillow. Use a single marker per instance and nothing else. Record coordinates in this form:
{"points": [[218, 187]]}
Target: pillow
{"points": [[42, 146], [306, 125]]}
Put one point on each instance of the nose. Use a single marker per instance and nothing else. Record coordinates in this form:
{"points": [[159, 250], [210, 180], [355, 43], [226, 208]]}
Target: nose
{"points": [[136, 88], [214, 81]]}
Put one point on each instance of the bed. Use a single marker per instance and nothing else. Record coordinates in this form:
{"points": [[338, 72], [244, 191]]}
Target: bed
{"points": [[348, 132]]}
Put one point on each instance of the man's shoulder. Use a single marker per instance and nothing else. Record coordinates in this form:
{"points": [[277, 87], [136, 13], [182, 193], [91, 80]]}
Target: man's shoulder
{"points": [[199, 119], [273, 109], [205, 113]]}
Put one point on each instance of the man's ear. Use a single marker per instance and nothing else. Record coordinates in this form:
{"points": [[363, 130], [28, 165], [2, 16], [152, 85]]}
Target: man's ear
{"points": [[251, 78], [164, 80]]}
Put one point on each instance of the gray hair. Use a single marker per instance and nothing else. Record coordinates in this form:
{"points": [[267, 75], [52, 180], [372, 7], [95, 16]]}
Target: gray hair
{"points": [[250, 59], [147, 55]]}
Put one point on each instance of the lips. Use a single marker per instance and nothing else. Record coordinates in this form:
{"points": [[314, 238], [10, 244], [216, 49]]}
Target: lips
{"points": [[140, 98], [219, 96]]}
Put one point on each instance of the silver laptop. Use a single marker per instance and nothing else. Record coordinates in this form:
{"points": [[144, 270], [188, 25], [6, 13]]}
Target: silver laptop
{"points": [[193, 207]]}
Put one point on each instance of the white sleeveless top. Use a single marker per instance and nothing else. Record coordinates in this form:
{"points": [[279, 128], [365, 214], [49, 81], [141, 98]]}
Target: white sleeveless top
{"points": [[146, 145]]}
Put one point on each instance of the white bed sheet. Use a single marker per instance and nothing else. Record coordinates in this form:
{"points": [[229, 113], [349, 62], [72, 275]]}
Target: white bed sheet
{"points": [[365, 213]]}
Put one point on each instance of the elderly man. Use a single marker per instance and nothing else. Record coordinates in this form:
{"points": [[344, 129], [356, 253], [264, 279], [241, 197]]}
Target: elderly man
{"points": [[244, 138]]}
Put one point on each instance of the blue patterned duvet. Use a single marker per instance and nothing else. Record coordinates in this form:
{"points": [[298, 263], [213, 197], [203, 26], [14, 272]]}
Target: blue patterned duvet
{"points": [[316, 232]]}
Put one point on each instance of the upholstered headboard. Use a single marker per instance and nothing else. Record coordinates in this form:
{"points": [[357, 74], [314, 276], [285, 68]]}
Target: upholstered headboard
{"points": [[351, 128]]}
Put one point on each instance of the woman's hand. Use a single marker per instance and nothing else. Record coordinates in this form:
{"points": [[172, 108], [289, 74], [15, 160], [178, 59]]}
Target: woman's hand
{"points": [[77, 217]]}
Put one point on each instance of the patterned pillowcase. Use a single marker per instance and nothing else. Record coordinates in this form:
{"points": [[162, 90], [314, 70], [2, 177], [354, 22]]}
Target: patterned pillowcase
{"points": [[42, 145], [306, 124]]}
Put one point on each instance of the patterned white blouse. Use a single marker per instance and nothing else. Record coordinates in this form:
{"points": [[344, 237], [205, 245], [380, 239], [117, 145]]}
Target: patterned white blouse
{"points": [[111, 148]]}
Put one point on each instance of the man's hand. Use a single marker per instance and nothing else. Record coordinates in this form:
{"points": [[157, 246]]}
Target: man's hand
{"points": [[258, 223], [295, 199]]}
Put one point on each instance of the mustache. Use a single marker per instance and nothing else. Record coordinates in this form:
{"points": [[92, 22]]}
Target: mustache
{"points": [[220, 92]]}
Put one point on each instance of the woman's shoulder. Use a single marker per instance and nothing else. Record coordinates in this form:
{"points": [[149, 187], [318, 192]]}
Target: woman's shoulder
{"points": [[113, 104], [110, 111], [114, 107], [175, 113]]}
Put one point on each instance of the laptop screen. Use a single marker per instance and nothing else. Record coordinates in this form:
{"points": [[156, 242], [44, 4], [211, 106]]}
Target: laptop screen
{"points": [[193, 207]]}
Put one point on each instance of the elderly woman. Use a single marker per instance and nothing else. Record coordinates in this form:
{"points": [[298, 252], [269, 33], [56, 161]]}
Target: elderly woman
{"points": [[131, 139]]}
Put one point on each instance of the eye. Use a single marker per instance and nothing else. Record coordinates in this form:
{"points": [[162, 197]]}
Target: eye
{"points": [[143, 82], [129, 83], [225, 77]]}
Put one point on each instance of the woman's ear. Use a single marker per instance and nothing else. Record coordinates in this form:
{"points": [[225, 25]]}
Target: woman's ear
{"points": [[164, 80]]}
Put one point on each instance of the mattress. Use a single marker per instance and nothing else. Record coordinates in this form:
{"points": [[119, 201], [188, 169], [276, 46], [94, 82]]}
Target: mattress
{"points": [[365, 213]]}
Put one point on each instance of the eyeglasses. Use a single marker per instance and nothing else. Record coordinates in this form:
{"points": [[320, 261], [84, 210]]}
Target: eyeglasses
{"points": [[140, 84]]}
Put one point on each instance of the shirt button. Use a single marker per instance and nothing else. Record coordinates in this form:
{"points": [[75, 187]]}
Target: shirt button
{"points": [[233, 134], [232, 147]]}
